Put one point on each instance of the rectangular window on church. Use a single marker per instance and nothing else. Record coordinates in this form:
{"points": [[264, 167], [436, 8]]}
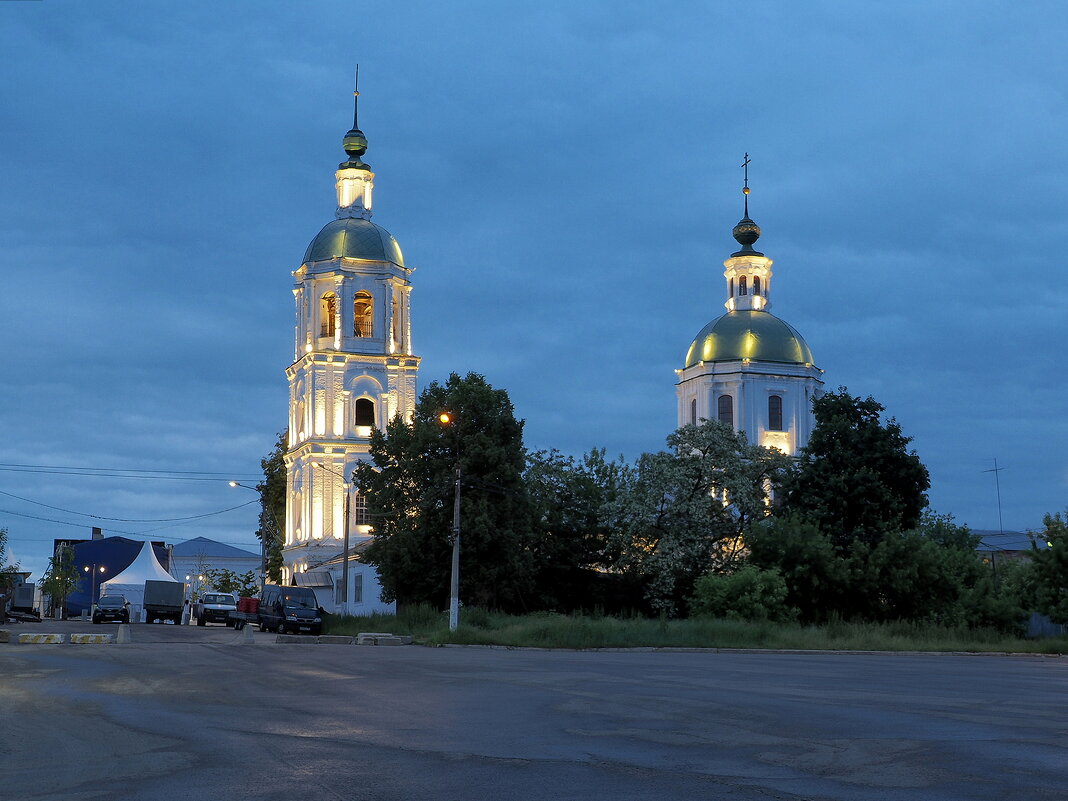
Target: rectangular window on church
{"points": [[357, 588]]}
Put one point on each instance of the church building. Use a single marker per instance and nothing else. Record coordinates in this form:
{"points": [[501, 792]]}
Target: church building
{"points": [[747, 367], [353, 370]]}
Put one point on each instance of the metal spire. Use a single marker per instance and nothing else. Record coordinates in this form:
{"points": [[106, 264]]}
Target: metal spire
{"points": [[356, 100], [745, 188]]}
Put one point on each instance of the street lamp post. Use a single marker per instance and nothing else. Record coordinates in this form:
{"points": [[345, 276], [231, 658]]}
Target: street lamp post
{"points": [[263, 541], [454, 577], [92, 571], [345, 558]]}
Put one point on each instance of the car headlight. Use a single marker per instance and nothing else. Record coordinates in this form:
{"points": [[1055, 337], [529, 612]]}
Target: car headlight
{"points": [[291, 617], [318, 620]]}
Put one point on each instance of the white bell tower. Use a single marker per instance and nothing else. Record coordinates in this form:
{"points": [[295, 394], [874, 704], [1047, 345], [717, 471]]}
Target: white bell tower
{"points": [[353, 370]]}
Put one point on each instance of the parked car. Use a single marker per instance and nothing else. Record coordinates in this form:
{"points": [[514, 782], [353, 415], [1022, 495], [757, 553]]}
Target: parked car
{"points": [[112, 607], [290, 610], [214, 607]]}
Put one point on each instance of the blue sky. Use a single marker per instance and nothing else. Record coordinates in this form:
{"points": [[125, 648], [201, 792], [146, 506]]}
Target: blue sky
{"points": [[564, 177]]}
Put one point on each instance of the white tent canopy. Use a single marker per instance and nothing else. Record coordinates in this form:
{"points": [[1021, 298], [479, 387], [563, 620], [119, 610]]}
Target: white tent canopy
{"points": [[131, 581]]}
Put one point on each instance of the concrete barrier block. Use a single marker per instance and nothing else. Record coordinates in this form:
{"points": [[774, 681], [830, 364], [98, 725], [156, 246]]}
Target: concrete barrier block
{"points": [[34, 639], [123, 634], [372, 638], [296, 639], [92, 639], [335, 639], [5, 636]]}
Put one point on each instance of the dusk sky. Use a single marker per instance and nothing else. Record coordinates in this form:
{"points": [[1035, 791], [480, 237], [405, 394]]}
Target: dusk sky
{"points": [[564, 176]]}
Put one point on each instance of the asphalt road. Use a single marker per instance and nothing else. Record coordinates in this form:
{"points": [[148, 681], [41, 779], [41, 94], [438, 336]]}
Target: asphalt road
{"points": [[195, 713]]}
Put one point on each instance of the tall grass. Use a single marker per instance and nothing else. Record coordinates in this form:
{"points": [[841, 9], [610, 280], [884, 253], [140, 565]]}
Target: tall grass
{"points": [[549, 630]]}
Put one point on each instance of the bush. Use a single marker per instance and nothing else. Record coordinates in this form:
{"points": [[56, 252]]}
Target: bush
{"points": [[746, 594]]}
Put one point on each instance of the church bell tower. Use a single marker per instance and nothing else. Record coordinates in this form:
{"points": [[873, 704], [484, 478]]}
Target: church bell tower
{"points": [[354, 369]]}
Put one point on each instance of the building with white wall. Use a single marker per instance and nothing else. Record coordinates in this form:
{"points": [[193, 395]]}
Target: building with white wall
{"points": [[354, 368], [747, 367]]}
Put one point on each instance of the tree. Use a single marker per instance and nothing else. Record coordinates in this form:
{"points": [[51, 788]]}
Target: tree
{"points": [[685, 512], [856, 479], [224, 580], [930, 574], [7, 569], [571, 542], [748, 593], [273, 491], [1049, 569], [61, 578], [409, 487]]}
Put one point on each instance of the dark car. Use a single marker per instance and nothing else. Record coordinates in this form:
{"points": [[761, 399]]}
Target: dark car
{"points": [[290, 609], [112, 607]]}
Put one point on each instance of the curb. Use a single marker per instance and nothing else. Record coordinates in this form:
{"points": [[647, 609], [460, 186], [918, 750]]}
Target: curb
{"points": [[786, 651], [92, 639], [49, 639]]}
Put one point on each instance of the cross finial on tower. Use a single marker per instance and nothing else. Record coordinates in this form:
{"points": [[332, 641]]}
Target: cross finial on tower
{"points": [[745, 187], [356, 99]]}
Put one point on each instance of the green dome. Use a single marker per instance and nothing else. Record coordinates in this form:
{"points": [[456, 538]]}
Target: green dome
{"points": [[353, 238], [758, 336]]}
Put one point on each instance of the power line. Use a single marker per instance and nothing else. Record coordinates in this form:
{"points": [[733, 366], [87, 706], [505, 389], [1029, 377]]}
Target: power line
{"points": [[124, 519], [118, 531], [142, 475], [117, 469]]}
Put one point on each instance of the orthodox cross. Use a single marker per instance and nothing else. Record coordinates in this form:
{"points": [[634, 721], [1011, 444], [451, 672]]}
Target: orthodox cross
{"points": [[745, 188], [356, 99]]}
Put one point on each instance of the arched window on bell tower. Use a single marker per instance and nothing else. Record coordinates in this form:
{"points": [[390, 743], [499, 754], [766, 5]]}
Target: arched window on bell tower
{"points": [[756, 284], [365, 412], [775, 413], [327, 314], [726, 409], [363, 314], [693, 412], [741, 285]]}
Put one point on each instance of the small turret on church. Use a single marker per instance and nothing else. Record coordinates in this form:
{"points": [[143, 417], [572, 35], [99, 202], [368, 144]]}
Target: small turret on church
{"points": [[353, 369]]}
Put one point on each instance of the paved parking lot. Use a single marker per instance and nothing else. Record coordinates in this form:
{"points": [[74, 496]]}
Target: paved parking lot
{"points": [[195, 713]]}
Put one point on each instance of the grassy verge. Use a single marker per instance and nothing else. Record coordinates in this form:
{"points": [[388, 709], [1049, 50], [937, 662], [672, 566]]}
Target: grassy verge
{"points": [[547, 630]]}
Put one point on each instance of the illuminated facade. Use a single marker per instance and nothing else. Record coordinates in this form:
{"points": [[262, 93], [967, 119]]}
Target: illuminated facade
{"points": [[353, 370], [748, 368]]}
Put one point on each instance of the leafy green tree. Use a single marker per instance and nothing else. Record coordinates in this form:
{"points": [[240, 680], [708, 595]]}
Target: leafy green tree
{"points": [[748, 593], [7, 569], [817, 577], [856, 479], [224, 580], [61, 577], [930, 574], [1049, 569], [685, 512], [273, 506], [570, 544], [409, 486]]}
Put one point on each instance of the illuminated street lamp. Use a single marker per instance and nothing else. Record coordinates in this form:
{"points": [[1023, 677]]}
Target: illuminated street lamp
{"points": [[196, 587], [446, 418], [273, 521], [92, 571], [345, 559]]}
